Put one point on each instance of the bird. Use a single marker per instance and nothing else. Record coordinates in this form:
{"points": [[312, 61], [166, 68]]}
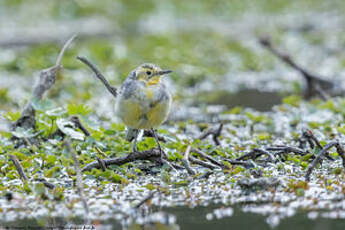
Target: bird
{"points": [[143, 102]]}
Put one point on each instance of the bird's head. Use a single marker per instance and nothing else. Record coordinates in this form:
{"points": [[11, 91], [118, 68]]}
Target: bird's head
{"points": [[149, 73]]}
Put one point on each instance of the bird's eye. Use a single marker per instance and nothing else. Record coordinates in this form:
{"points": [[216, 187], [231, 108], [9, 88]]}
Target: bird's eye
{"points": [[148, 72]]}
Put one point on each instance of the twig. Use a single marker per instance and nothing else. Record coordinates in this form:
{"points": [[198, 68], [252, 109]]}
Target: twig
{"points": [[318, 158], [214, 132], [309, 135], [133, 156], [149, 133], [239, 162], [101, 162], [147, 198], [185, 161], [314, 82], [100, 152], [341, 152], [46, 183], [79, 178], [206, 156], [202, 163], [18, 167], [254, 154], [46, 81], [79, 125], [99, 75], [287, 149]]}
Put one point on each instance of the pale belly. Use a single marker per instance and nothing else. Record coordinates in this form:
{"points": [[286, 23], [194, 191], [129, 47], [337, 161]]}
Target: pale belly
{"points": [[143, 114]]}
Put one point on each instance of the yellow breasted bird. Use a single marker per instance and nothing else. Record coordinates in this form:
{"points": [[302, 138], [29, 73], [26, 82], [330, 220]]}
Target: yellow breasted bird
{"points": [[143, 101]]}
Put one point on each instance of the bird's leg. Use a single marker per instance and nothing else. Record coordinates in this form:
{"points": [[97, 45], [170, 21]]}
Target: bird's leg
{"points": [[135, 149], [161, 152]]}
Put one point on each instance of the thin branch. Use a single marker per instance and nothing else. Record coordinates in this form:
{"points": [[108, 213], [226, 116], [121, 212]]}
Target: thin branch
{"points": [[77, 123], [46, 183], [101, 152], [309, 135], [46, 81], [314, 82], [79, 177], [101, 162], [239, 162], [151, 154], [341, 152], [99, 75], [254, 154], [318, 158], [146, 199], [64, 48], [214, 132], [149, 133], [186, 163], [202, 163], [19, 168], [206, 156]]}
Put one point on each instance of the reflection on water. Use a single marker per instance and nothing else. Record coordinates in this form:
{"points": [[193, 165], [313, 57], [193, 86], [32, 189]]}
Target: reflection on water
{"points": [[197, 218]]}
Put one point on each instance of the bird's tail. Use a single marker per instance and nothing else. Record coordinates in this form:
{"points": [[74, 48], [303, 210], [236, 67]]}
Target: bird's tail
{"points": [[131, 134]]}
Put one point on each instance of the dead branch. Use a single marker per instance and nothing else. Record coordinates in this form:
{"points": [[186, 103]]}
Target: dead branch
{"points": [[208, 157], [316, 85], [254, 154], [202, 163], [19, 168], [46, 183], [214, 132], [341, 152], [186, 163], [79, 177], [146, 199], [311, 138], [79, 125], [152, 154], [149, 133], [99, 75], [319, 157], [46, 81], [101, 162], [246, 164]]}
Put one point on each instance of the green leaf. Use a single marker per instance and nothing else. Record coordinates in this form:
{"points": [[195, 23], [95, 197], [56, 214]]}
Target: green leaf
{"points": [[66, 127]]}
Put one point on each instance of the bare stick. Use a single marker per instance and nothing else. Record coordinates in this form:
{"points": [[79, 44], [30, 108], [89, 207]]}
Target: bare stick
{"points": [[79, 178], [185, 161], [99, 75], [206, 156], [18, 167], [46, 81], [147, 198], [79, 125], [149, 133], [254, 154], [314, 82], [46, 183], [287, 149], [341, 152], [239, 162], [203, 163], [214, 132], [64, 48], [101, 162], [152, 154], [309, 135], [100, 152], [318, 158]]}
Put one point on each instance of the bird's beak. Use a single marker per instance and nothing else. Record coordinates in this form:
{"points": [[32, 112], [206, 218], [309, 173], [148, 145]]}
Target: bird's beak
{"points": [[160, 73]]}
